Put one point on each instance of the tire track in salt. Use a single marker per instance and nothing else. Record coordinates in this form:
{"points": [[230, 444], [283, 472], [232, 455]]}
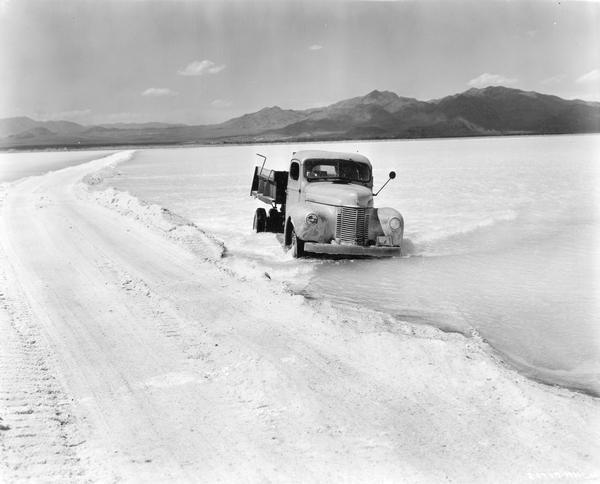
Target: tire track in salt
{"points": [[38, 437]]}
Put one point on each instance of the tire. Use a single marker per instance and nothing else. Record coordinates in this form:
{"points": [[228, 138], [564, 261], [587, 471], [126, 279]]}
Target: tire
{"points": [[274, 221], [260, 220], [297, 246]]}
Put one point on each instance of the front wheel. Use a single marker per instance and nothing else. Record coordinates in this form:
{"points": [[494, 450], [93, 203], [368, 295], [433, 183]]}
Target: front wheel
{"points": [[297, 245], [260, 220]]}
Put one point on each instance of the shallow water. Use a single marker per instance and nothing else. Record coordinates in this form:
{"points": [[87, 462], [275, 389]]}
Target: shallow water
{"points": [[504, 234], [15, 165], [503, 238]]}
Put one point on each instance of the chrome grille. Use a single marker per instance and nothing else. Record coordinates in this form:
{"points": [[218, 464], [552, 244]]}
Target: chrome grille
{"points": [[352, 226]]}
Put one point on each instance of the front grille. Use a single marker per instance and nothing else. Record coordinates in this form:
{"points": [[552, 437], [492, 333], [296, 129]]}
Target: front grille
{"points": [[352, 226]]}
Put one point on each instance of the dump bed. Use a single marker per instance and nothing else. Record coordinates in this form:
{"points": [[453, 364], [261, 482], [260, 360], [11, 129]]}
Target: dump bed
{"points": [[269, 185]]}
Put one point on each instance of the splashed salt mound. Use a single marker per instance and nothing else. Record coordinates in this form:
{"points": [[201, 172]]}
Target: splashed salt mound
{"points": [[95, 178], [174, 226]]}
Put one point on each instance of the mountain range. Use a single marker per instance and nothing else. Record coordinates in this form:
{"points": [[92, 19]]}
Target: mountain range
{"points": [[491, 111]]}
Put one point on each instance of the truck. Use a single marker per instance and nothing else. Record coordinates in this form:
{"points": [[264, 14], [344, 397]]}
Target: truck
{"points": [[324, 205]]}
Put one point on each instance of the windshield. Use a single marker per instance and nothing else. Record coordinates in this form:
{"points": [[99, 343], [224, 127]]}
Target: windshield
{"points": [[337, 170]]}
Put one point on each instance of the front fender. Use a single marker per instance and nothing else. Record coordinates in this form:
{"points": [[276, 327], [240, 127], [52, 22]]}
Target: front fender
{"points": [[385, 215], [323, 231]]}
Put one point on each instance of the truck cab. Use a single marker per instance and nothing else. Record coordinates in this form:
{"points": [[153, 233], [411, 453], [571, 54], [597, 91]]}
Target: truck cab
{"points": [[328, 206]]}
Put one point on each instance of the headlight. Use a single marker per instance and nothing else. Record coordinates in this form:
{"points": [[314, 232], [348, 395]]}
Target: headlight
{"points": [[395, 223], [312, 218]]}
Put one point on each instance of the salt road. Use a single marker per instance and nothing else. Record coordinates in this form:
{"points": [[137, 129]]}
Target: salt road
{"points": [[129, 350]]}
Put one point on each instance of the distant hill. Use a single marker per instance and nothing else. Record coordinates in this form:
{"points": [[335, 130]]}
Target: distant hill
{"points": [[17, 126], [151, 125], [491, 111], [12, 126], [265, 119]]}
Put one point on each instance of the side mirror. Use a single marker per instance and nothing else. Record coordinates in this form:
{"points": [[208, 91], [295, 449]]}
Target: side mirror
{"points": [[392, 175]]}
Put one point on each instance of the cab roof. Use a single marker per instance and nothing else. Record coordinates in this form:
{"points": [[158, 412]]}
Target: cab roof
{"points": [[304, 155]]}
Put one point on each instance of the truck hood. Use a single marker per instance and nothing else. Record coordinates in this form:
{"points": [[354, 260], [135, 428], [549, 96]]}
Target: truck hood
{"points": [[347, 195]]}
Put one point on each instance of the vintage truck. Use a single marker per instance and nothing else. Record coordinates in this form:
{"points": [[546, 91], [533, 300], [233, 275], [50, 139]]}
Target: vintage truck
{"points": [[324, 205]]}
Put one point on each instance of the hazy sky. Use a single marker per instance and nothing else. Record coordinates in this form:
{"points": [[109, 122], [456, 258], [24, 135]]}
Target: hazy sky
{"points": [[206, 61]]}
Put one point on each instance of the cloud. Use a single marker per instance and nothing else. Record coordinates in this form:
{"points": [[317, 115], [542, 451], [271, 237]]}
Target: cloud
{"points": [[158, 92], [201, 68], [487, 79], [221, 103], [592, 76], [315, 47], [554, 80]]}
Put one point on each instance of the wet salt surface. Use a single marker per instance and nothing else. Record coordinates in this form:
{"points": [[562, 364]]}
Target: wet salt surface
{"points": [[15, 165], [503, 233]]}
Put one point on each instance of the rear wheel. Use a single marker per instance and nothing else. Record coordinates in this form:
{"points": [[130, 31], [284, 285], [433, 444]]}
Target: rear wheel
{"points": [[297, 245], [260, 220], [274, 221]]}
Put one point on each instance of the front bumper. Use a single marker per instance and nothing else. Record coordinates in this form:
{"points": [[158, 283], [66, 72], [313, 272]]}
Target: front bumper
{"points": [[352, 250]]}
